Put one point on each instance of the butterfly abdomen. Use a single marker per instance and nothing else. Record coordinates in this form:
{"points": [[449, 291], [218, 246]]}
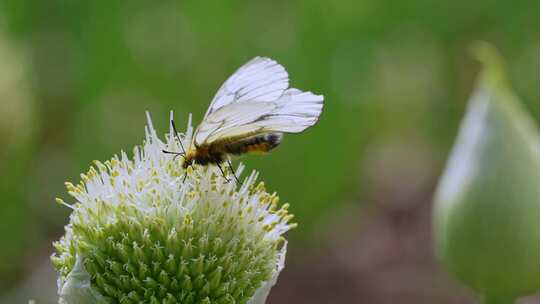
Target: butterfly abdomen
{"points": [[256, 144]]}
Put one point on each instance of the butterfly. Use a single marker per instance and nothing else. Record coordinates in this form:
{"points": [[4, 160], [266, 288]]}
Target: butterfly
{"points": [[249, 114]]}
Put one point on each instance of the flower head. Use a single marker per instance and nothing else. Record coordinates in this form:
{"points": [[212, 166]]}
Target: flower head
{"points": [[139, 232]]}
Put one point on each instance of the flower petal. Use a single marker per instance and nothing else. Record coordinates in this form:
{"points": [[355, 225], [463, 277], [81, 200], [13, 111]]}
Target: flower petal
{"points": [[76, 289], [262, 293]]}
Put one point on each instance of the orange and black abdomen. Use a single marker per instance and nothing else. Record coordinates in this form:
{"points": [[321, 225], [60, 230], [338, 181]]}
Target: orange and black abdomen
{"points": [[255, 144], [216, 153]]}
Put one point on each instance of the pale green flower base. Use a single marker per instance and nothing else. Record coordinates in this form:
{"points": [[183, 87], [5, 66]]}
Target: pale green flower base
{"points": [[487, 205], [76, 288], [140, 233]]}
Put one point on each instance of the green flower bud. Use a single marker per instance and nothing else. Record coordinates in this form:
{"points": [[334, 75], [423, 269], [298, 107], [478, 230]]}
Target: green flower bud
{"points": [[487, 205], [140, 233]]}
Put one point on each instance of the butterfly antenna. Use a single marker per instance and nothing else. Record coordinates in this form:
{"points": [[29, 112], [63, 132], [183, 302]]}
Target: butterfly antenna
{"points": [[176, 154], [177, 136]]}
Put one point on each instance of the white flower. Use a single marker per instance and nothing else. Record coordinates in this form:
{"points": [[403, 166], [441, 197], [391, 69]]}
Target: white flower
{"points": [[140, 233]]}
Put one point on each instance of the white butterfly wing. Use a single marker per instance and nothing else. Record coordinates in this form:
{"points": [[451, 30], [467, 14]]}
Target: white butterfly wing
{"points": [[293, 112], [228, 117], [259, 80]]}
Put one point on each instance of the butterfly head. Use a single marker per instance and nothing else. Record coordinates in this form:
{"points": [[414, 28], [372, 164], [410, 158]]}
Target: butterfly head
{"points": [[188, 162], [189, 158]]}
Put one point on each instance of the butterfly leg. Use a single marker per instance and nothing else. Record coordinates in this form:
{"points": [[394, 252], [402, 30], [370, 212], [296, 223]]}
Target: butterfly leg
{"points": [[222, 173], [184, 179], [234, 173]]}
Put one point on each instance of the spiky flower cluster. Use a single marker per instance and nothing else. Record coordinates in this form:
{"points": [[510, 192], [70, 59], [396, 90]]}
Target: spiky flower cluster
{"points": [[139, 233]]}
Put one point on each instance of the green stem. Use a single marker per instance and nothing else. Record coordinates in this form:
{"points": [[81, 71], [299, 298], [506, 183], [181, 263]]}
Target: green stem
{"points": [[491, 299]]}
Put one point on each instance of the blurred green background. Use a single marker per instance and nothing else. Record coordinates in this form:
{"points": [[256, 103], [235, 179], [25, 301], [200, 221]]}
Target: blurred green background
{"points": [[77, 76]]}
